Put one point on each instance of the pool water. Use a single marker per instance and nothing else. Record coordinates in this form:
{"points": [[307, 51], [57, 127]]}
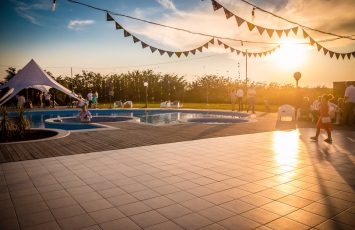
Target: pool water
{"points": [[154, 117]]}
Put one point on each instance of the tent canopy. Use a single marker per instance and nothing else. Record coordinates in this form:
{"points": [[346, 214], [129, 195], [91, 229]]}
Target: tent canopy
{"points": [[32, 76]]}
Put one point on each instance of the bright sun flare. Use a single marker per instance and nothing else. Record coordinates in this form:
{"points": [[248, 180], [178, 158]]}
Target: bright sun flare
{"points": [[290, 56]]}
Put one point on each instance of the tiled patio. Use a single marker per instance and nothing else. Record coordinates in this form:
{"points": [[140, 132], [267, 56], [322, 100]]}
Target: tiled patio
{"points": [[273, 180]]}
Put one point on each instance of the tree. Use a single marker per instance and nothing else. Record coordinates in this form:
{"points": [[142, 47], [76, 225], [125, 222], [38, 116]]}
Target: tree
{"points": [[11, 72]]}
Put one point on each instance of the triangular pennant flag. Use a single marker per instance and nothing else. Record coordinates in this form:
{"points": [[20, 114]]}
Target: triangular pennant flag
{"points": [[353, 53], [343, 55], [109, 17], [255, 54], [170, 53], [260, 29], [249, 54], [126, 33], [305, 35], [186, 53], [135, 40], [153, 49], [238, 52], [311, 41], [337, 55], [349, 55], [162, 52], [244, 53], [239, 20], [211, 41], [295, 30], [325, 51], [270, 32], [251, 26], [225, 46], [279, 33], [228, 13], [264, 53], [206, 45], [232, 49], [331, 53], [178, 54], [287, 32], [216, 5], [319, 47], [193, 51], [259, 54], [219, 42], [200, 48], [118, 26], [144, 45]]}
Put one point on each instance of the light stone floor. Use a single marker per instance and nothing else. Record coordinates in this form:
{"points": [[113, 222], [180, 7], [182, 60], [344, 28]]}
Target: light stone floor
{"points": [[273, 180]]}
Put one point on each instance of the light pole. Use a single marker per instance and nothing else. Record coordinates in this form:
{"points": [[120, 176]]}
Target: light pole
{"points": [[146, 94]]}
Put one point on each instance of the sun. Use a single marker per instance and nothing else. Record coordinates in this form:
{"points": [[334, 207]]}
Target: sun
{"points": [[290, 56]]}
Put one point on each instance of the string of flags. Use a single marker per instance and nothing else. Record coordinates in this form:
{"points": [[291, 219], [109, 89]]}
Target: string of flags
{"points": [[250, 54], [280, 32], [186, 52]]}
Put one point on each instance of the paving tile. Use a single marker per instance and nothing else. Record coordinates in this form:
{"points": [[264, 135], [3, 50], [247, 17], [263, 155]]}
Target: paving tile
{"points": [[284, 223], [260, 215], [67, 211], [37, 218], [237, 206], [238, 222], [346, 218], [196, 204], [180, 196], [326, 211], [95, 205], [218, 198], [122, 199], [134, 208], [10, 224], [55, 194], [306, 218], [255, 200], [120, 224], [213, 227], [174, 211], [192, 221], [106, 215], [61, 202], [166, 189], [48, 226], [147, 219], [295, 201], [164, 226], [331, 225], [145, 194], [158, 202], [76, 222], [279, 208], [111, 192], [216, 213]]}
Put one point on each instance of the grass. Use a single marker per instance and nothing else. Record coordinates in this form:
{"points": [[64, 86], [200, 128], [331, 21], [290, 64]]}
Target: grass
{"points": [[218, 106]]}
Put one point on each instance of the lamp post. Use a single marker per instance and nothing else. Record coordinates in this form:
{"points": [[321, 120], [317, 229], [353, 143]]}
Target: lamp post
{"points": [[146, 93], [297, 77]]}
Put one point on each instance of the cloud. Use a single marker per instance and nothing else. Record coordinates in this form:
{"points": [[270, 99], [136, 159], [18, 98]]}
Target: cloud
{"points": [[29, 11], [79, 24], [167, 4]]}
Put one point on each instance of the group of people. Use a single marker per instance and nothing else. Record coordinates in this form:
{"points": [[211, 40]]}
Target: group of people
{"points": [[237, 95], [344, 110]]}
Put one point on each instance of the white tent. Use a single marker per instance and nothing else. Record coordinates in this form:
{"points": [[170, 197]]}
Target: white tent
{"points": [[32, 76]]}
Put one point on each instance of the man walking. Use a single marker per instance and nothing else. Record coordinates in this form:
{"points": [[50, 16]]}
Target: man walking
{"points": [[251, 99], [240, 95]]}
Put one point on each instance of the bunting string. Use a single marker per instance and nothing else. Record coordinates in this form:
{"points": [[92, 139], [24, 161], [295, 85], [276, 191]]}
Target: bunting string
{"points": [[296, 23], [240, 21], [250, 54], [154, 49]]}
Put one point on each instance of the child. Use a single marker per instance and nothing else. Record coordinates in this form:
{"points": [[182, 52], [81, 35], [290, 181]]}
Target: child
{"points": [[85, 115], [324, 121]]}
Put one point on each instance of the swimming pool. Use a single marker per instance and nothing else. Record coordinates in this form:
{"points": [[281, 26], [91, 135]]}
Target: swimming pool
{"points": [[147, 116]]}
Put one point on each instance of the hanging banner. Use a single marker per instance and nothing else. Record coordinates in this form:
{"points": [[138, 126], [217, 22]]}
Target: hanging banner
{"points": [[255, 54]]}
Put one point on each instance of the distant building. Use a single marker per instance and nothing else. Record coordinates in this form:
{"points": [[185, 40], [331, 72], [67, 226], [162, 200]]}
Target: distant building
{"points": [[339, 88]]}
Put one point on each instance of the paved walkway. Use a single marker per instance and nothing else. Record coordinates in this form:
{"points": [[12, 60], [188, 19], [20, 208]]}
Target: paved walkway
{"points": [[273, 180]]}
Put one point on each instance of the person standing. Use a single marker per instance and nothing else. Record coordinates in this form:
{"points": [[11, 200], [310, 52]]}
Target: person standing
{"points": [[233, 98], [349, 98], [89, 97], [251, 94], [240, 95], [94, 99], [324, 121]]}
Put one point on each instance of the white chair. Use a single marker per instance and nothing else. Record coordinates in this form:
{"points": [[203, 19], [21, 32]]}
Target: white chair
{"points": [[128, 104], [286, 113]]}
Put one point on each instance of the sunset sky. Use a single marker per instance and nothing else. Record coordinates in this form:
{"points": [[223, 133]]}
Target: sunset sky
{"points": [[79, 37]]}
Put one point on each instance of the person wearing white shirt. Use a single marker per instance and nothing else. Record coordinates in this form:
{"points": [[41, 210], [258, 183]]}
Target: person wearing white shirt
{"points": [[89, 98], [240, 95], [349, 106]]}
